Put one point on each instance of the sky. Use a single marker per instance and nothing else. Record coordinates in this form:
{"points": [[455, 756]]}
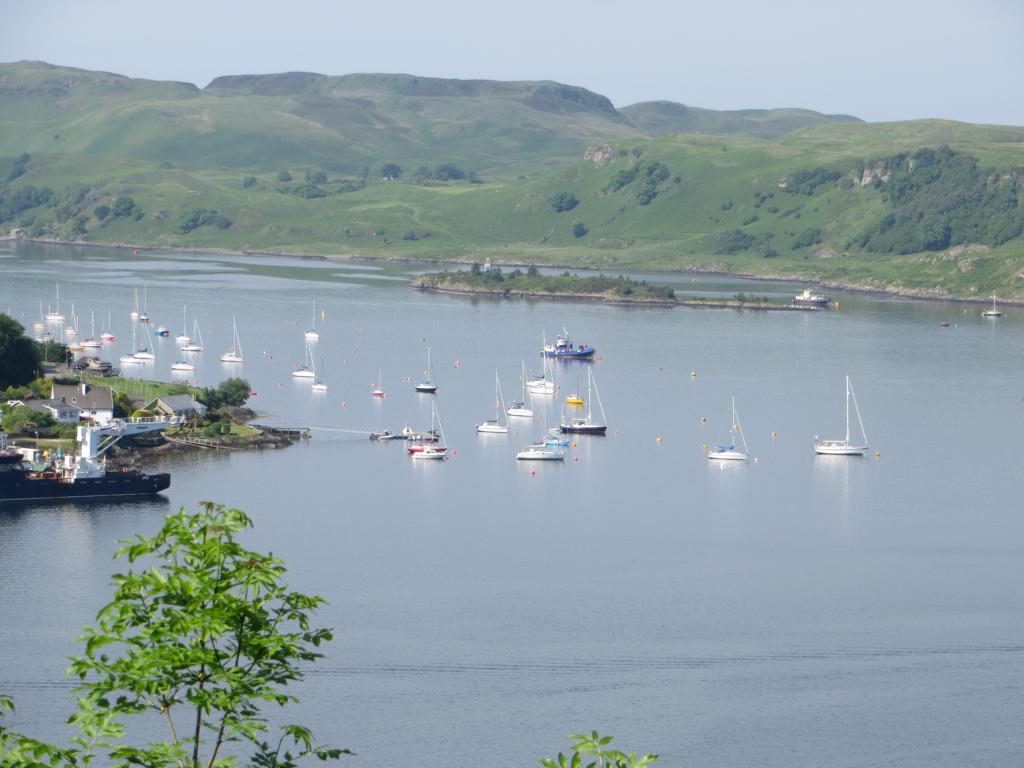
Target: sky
{"points": [[878, 60]]}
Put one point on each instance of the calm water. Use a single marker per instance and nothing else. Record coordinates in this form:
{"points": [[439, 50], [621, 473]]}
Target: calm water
{"points": [[792, 611]]}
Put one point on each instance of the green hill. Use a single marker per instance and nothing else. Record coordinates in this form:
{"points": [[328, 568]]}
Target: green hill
{"points": [[658, 118], [511, 172]]}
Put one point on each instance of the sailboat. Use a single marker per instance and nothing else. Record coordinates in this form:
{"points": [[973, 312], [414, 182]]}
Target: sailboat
{"points": [[71, 330], [183, 338], [377, 390], [234, 355], [543, 384], [107, 335], [494, 426], [541, 451], [135, 312], [196, 344], [132, 358], [574, 398], [844, 447], [730, 452], [318, 383], [312, 334], [308, 369], [55, 316], [183, 365], [992, 312], [144, 315], [40, 325], [427, 386], [585, 425], [518, 408], [435, 450], [92, 342]]}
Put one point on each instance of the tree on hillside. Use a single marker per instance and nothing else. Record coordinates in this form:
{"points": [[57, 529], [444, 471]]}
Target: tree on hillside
{"points": [[563, 201], [248, 182], [19, 357], [201, 633], [315, 177], [579, 229], [123, 206], [284, 176], [391, 171]]}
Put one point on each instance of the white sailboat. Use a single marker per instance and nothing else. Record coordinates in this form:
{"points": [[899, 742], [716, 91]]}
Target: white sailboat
{"points": [[378, 389], [518, 409], [730, 452], [844, 447], [144, 315], [71, 331], [183, 338], [92, 342], [135, 312], [586, 425], [183, 365], [312, 334], [55, 316], [543, 384], [308, 369], [40, 325], [494, 426], [427, 386], [196, 344], [541, 451], [234, 355], [318, 383], [439, 449], [132, 358], [992, 312]]}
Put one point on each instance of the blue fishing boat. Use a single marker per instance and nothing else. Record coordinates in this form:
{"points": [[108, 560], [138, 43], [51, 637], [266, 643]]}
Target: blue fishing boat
{"points": [[563, 347]]}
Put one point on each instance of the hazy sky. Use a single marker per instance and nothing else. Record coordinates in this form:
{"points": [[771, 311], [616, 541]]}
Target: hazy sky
{"points": [[877, 59]]}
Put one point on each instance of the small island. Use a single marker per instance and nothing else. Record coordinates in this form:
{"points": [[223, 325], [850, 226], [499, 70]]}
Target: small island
{"points": [[492, 281]]}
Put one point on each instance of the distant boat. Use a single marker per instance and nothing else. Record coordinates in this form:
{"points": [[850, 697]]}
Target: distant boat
{"points": [[135, 312], [809, 299], [574, 398], [72, 329], [437, 450], [543, 384], [182, 365], [162, 330], [494, 426], [132, 358], [234, 355], [107, 335], [586, 425], [144, 315], [378, 390], [55, 316], [563, 347], [844, 447], [308, 369], [92, 342], [729, 452], [196, 344], [40, 325], [183, 338], [540, 452], [427, 386], [554, 437], [992, 312], [312, 334], [518, 409]]}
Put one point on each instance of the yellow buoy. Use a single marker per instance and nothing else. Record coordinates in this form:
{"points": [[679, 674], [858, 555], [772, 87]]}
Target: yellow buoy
{"points": [[773, 435], [878, 454]]}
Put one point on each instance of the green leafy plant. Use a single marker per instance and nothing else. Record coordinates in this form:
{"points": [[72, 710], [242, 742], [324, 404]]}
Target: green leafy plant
{"points": [[596, 748], [202, 633]]}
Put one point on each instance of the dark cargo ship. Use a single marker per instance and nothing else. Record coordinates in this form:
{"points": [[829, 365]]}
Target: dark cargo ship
{"points": [[82, 475]]}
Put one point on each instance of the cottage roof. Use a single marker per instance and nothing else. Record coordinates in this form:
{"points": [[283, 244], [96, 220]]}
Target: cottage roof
{"points": [[86, 396]]}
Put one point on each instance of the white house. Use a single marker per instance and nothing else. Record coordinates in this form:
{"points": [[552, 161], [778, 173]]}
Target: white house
{"points": [[96, 403]]}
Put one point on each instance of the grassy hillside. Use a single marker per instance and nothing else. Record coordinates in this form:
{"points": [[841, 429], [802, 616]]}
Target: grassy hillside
{"points": [[659, 118], [923, 206]]}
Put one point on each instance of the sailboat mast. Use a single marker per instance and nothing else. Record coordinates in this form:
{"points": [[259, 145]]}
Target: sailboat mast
{"points": [[847, 409]]}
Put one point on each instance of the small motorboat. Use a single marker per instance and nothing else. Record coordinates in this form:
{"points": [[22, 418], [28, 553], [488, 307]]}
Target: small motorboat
{"points": [[540, 452], [806, 298]]}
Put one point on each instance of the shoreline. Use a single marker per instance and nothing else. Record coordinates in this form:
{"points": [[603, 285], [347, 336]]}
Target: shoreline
{"points": [[687, 302], [910, 294]]}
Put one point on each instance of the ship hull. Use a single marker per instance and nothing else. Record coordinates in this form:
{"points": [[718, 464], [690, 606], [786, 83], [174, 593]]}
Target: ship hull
{"points": [[18, 486]]}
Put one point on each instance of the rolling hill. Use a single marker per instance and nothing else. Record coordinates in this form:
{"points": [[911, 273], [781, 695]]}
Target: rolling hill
{"points": [[513, 172]]}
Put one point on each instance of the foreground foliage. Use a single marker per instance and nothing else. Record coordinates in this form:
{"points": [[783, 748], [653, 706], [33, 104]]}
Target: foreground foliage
{"points": [[596, 749], [201, 632]]}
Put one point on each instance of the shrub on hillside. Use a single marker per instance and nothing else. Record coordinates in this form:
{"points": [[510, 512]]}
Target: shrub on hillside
{"points": [[808, 238], [563, 201], [200, 217], [733, 241], [579, 229], [806, 182]]}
